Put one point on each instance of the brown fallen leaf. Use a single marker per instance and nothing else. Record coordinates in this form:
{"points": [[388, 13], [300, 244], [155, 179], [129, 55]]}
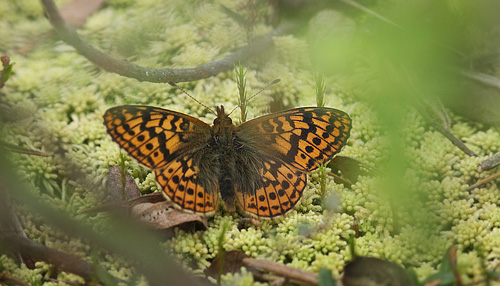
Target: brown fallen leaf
{"points": [[233, 261], [161, 214], [122, 188], [76, 12], [350, 168], [248, 221], [374, 271], [152, 209]]}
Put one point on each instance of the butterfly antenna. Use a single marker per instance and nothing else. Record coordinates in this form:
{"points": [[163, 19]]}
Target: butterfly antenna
{"points": [[186, 93], [262, 89]]}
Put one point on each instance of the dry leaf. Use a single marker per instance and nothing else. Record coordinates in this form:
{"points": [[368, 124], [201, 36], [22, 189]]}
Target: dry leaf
{"points": [[161, 214], [76, 12], [374, 271], [233, 261], [117, 189]]}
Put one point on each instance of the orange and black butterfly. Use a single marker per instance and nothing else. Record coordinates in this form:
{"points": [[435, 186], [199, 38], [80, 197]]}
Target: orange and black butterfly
{"points": [[259, 166]]}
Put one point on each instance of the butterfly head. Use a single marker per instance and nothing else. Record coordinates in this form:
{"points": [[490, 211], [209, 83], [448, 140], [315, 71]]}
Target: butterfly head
{"points": [[222, 119]]}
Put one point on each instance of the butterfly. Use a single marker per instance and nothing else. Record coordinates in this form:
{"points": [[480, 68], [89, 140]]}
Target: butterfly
{"points": [[259, 167]]}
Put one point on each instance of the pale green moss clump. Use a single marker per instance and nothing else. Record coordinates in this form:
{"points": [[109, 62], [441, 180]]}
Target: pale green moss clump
{"points": [[58, 99]]}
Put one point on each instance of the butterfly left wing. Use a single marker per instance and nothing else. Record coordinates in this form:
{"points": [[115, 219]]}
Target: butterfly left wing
{"points": [[170, 143], [289, 143], [154, 136], [181, 182]]}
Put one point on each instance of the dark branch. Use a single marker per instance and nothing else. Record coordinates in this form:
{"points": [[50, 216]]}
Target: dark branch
{"points": [[61, 260], [162, 75]]}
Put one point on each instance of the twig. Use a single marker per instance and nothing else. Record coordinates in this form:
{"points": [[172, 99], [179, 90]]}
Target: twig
{"points": [[286, 271], [484, 181], [161, 75], [9, 223], [10, 280], [22, 150], [59, 282], [454, 140], [490, 163]]}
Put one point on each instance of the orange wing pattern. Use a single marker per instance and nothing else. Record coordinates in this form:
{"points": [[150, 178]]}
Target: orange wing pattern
{"points": [[179, 180], [164, 141], [301, 137], [282, 187], [297, 140], [154, 136]]}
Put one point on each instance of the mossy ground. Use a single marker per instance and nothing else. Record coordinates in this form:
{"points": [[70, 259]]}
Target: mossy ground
{"points": [[58, 99]]}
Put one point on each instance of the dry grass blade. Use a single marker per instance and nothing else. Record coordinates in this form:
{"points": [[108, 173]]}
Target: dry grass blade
{"points": [[22, 150], [282, 270], [484, 181]]}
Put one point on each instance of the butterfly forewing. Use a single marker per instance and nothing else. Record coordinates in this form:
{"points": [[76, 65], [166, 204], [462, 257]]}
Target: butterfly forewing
{"points": [[301, 137], [154, 136]]}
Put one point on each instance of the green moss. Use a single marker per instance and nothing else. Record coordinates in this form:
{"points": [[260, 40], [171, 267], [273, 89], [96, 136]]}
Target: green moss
{"points": [[244, 278], [59, 99]]}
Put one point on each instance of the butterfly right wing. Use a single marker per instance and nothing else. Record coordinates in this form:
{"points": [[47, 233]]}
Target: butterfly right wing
{"points": [[289, 144], [281, 188]]}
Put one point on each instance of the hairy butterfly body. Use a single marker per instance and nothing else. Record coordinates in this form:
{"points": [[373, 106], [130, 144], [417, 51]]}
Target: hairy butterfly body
{"points": [[258, 167]]}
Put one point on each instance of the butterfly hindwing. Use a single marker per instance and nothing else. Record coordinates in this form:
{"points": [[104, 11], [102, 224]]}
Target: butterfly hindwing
{"points": [[154, 136], [301, 137], [281, 189], [180, 182]]}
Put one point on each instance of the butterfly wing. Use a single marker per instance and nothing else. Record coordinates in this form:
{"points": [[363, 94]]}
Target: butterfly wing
{"points": [[170, 143], [180, 182], [281, 187], [290, 143], [154, 136]]}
